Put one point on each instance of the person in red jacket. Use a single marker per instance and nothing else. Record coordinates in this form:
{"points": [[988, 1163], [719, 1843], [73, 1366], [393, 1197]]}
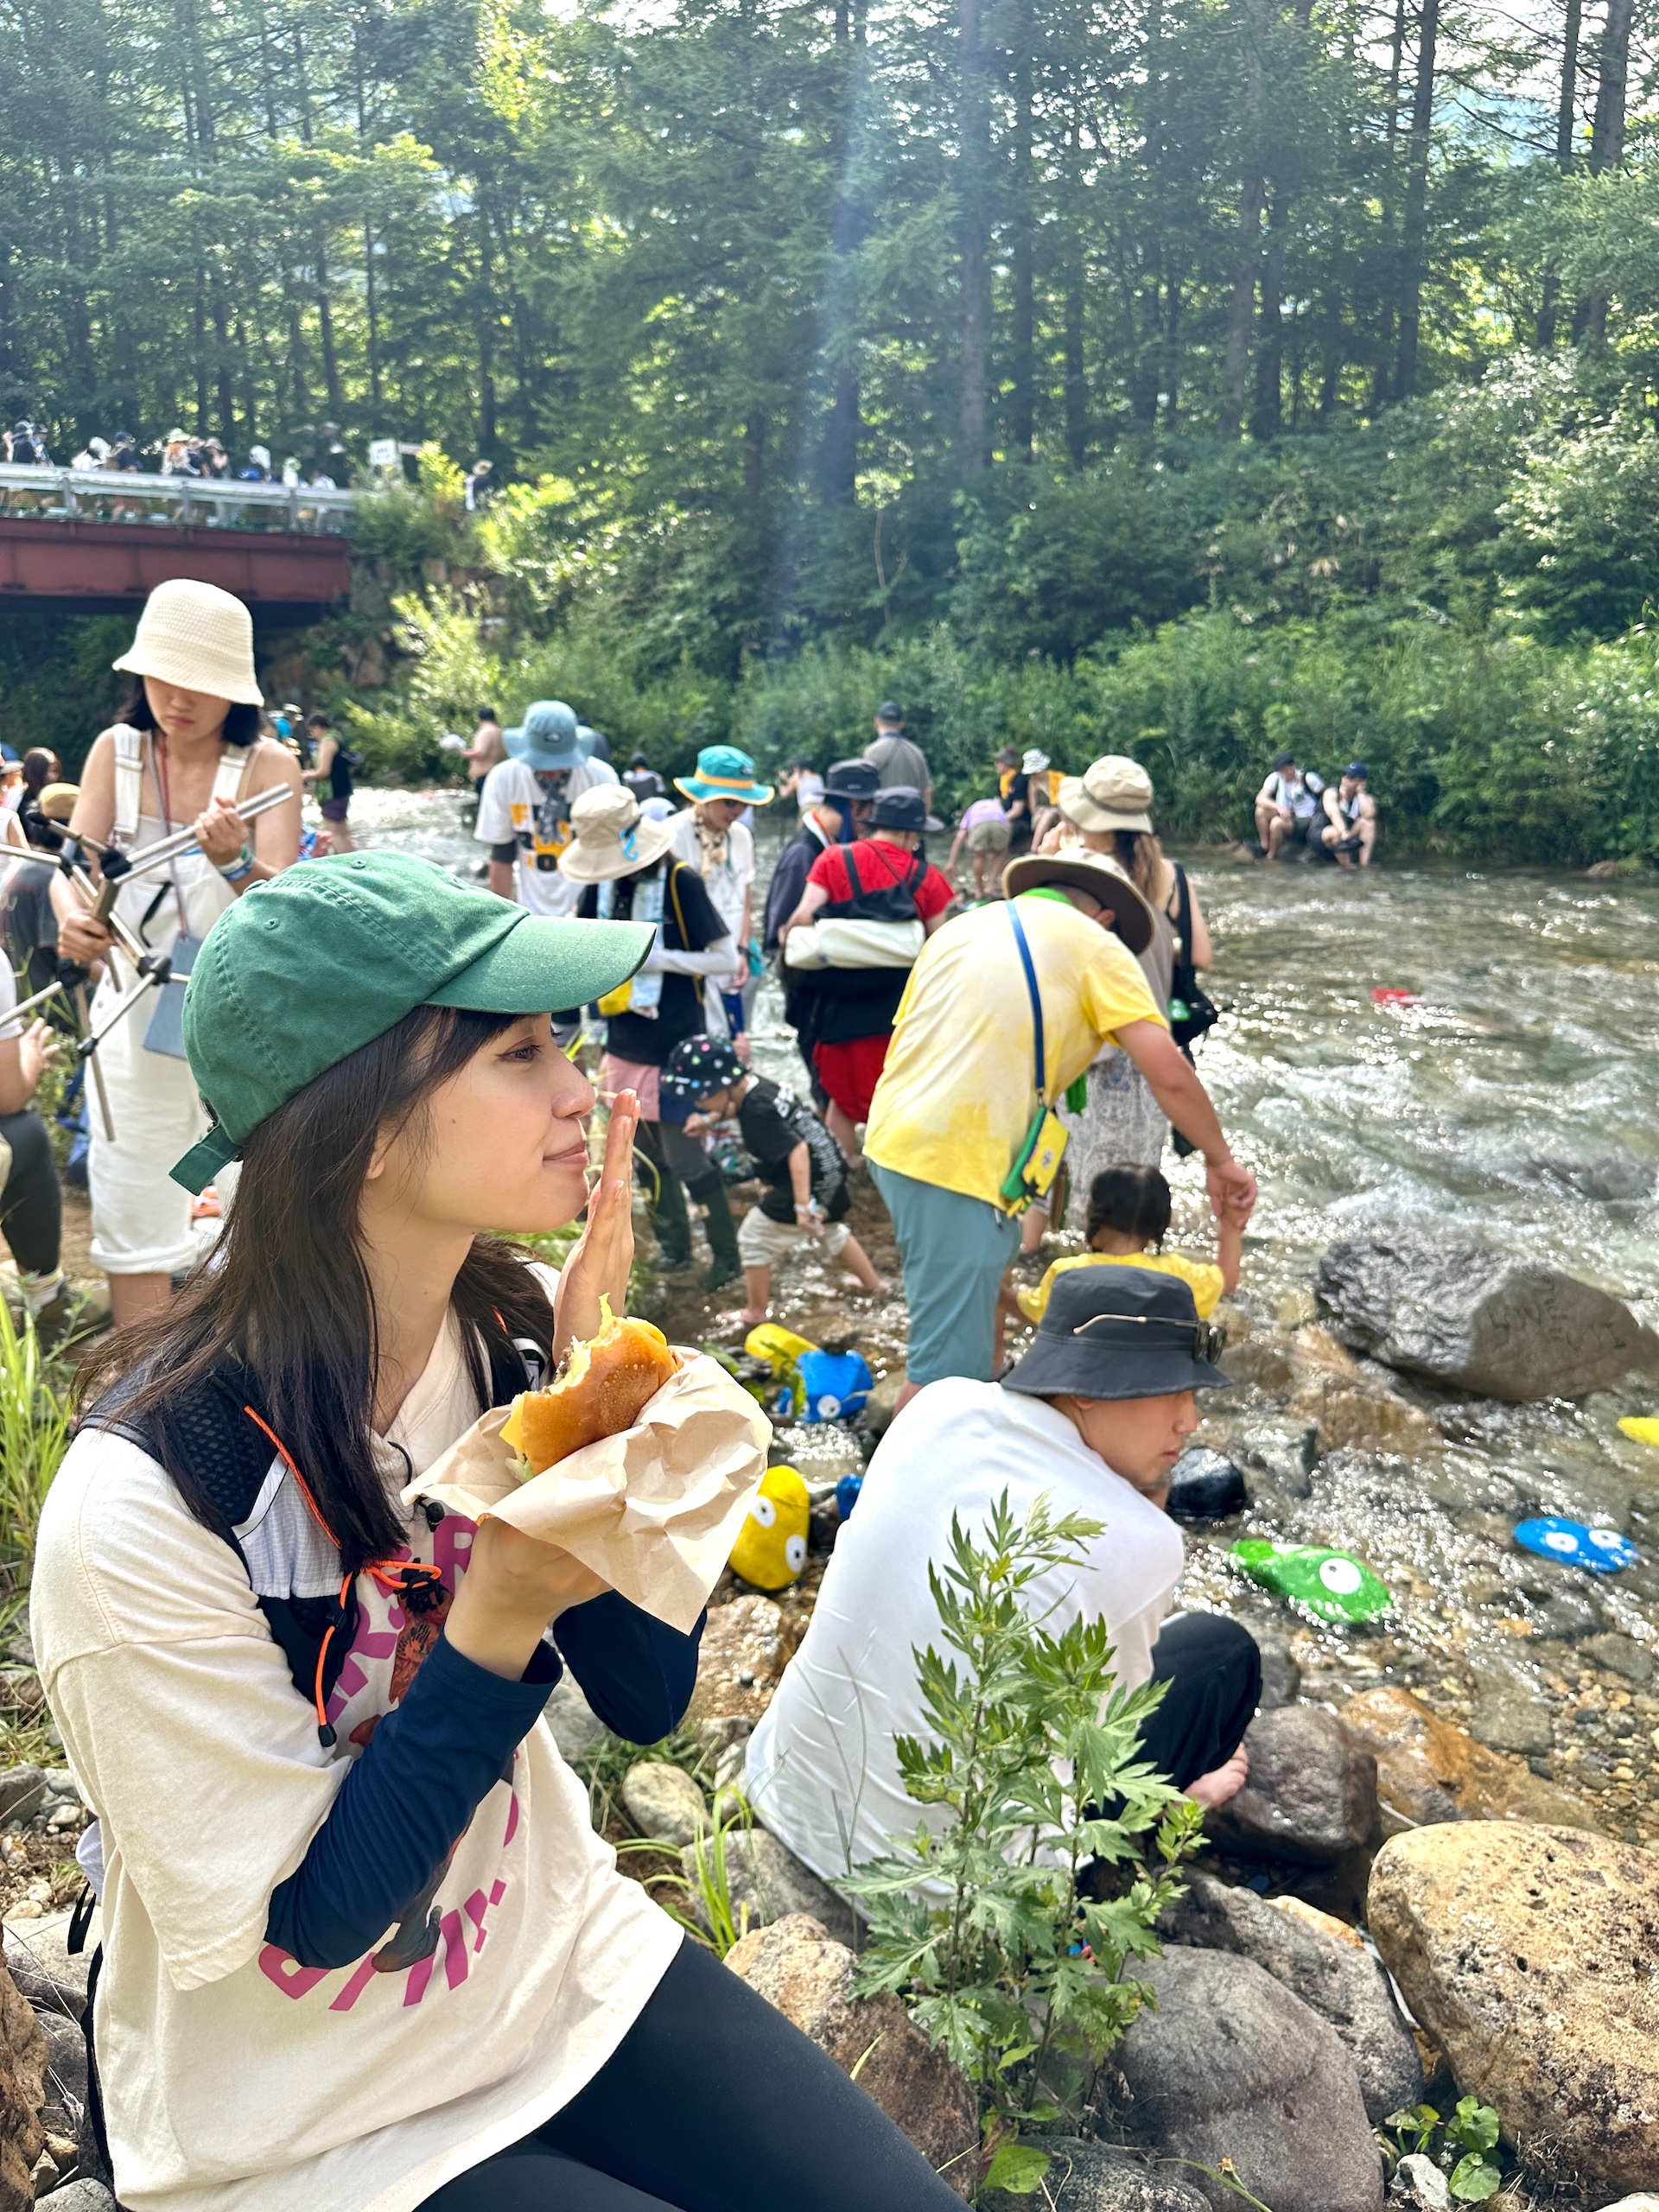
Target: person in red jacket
{"points": [[883, 877]]}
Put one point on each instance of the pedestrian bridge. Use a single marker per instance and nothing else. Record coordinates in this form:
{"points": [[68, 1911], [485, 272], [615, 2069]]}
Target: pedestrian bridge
{"points": [[92, 541]]}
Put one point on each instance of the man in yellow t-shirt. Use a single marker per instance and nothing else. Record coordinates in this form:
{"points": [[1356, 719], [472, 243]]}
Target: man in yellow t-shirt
{"points": [[959, 1090]]}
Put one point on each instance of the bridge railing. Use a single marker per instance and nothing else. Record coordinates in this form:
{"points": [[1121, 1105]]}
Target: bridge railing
{"points": [[131, 497]]}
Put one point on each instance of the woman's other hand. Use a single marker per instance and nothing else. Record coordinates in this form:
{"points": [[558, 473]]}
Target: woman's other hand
{"points": [[515, 1586], [603, 1257], [81, 937]]}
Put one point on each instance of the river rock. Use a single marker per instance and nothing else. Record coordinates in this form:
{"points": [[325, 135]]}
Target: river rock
{"points": [[81, 2197], [797, 1966], [1281, 1676], [663, 1801], [1358, 1412], [1473, 1316], [1230, 2065], [577, 1729], [1312, 1795], [1339, 1981], [23, 2092], [1511, 1713], [1419, 2183], [1428, 1771], [1261, 1362], [1643, 2203], [765, 1877], [1528, 1954], [38, 1959], [745, 1646], [22, 1792], [1089, 2177], [877, 1415], [1620, 1655]]}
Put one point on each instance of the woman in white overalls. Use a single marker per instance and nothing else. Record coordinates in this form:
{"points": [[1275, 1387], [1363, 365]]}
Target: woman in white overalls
{"points": [[187, 750]]}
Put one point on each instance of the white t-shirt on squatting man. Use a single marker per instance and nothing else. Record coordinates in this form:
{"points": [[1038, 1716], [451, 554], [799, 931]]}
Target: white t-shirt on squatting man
{"points": [[515, 806]]}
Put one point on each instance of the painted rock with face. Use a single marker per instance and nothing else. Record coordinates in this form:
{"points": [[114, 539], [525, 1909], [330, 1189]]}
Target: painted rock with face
{"points": [[770, 1548]]}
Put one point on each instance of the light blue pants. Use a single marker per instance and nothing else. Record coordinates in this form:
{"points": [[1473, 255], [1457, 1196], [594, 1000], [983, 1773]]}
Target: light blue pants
{"points": [[955, 1250]]}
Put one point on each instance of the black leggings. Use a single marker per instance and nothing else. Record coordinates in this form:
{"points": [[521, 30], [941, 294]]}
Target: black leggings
{"points": [[31, 1204], [712, 2102], [1214, 1673]]}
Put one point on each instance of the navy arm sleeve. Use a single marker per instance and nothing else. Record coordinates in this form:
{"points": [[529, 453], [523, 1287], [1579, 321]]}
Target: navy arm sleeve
{"points": [[637, 1673], [405, 1804]]}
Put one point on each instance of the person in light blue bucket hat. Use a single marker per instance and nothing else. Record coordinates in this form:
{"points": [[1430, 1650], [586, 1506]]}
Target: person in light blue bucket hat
{"points": [[712, 836], [524, 808]]}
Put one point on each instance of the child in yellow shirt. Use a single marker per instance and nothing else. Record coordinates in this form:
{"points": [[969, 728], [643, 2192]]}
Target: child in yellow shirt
{"points": [[1128, 1209]]}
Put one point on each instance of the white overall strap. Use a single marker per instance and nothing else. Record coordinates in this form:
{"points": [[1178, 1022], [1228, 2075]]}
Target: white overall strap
{"points": [[129, 784], [228, 777]]}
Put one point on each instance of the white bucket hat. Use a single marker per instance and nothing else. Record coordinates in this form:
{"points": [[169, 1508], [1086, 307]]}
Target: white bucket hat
{"points": [[1034, 762], [197, 636], [1113, 793], [612, 836]]}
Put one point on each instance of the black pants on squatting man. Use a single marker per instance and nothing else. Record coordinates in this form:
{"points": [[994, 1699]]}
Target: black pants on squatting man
{"points": [[715, 2102]]}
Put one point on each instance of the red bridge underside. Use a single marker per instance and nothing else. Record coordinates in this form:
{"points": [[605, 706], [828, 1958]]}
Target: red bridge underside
{"points": [[102, 567]]}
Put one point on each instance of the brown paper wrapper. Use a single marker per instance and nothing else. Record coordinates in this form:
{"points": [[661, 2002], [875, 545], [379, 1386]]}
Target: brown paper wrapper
{"points": [[653, 1510]]}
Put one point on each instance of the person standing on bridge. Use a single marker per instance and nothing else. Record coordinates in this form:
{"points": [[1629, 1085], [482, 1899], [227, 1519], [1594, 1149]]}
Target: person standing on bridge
{"points": [[187, 749]]}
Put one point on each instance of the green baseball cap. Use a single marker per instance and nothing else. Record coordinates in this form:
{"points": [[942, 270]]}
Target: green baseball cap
{"points": [[311, 967]]}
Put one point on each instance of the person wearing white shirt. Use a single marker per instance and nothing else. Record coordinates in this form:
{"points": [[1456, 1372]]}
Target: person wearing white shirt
{"points": [[524, 808], [1285, 804], [712, 836], [1093, 1417]]}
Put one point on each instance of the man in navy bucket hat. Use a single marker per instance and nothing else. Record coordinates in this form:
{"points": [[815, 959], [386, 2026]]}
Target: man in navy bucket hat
{"points": [[1093, 1417], [524, 808]]}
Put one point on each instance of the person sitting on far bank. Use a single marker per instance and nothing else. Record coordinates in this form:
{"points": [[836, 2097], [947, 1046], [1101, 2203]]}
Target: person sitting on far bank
{"points": [[711, 836], [1285, 806], [958, 1097], [1093, 1419], [898, 760], [1129, 1210], [984, 830], [1346, 831], [884, 878], [804, 1169]]}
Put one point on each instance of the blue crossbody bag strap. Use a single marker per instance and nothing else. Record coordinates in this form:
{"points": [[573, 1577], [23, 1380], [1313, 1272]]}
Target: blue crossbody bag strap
{"points": [[1020, 939]]}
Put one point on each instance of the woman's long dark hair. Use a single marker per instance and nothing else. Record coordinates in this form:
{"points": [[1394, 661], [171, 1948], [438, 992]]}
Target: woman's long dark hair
{"points": [[242, 724], [285, 1303]]}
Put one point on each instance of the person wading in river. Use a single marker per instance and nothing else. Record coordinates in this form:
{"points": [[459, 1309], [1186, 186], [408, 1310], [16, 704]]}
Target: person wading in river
{"points": [[886, 880], [187, 748], [375, 1955], [954, 1105]]}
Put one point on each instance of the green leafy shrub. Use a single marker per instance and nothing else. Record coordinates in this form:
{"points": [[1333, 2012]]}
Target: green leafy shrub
{"points": [[1461, 2145], [35, 1412], [1006, 1921]]}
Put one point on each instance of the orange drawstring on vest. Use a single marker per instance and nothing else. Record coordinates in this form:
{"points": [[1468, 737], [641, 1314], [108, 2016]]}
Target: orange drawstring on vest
{"points": [[416, 1583]]}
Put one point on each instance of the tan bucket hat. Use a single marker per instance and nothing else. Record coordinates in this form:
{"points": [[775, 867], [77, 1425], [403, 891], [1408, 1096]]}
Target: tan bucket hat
{"points": [[613, 837], [197, 636], [1112, 793], [1095, 873]]}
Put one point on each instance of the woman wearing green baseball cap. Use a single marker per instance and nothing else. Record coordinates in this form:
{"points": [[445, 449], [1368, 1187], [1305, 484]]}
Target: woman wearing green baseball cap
{"points": [[361, 1946]]}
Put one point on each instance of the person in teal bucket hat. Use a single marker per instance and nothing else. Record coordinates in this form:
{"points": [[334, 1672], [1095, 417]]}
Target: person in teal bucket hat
{"points": [[523, 811], [712, 836], [363, 1945]]}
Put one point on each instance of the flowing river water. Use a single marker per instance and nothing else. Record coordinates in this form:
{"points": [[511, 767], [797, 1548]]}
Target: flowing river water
{"points": [[1512, 1100]]}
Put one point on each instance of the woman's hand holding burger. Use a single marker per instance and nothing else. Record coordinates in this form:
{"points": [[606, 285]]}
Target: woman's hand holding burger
{"points": [[603, 1257]]}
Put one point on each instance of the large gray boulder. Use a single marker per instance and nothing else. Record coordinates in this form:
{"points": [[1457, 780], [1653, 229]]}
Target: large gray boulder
{"points": [[1093, 2177], [1312, 1795], [1231, 2065], [1471, 1316], [1339, 1981]]}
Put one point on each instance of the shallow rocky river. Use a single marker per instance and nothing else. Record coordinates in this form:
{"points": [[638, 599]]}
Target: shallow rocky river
{"points": [[1511, 1100]]}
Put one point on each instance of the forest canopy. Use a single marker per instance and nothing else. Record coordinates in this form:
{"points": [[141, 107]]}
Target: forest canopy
{"points": [[1018, 330]]}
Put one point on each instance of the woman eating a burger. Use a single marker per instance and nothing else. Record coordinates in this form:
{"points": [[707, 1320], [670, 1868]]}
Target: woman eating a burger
{"points": [[362, 1949]]}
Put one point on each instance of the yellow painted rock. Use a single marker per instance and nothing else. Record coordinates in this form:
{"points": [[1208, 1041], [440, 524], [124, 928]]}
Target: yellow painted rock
{"points": [[770, 1548]]}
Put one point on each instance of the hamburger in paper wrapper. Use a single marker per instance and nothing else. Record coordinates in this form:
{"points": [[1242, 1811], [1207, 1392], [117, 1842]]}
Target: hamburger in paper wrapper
{"points": [[654, 1507]]}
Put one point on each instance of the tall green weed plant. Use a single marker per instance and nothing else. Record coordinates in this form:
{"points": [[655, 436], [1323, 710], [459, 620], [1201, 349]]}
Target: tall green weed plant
{"points": [[1006, 1920], [35, 1412]]}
